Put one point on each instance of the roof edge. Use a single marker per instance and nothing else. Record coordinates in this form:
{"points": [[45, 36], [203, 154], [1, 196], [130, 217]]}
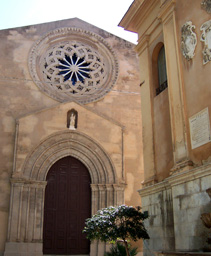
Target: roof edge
{"points": [[127, 20]]}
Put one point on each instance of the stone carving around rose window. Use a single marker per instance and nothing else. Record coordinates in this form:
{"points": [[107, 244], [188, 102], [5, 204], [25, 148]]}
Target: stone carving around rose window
{"points": [[206, 5], [73, 64], [188, 40], [206, 39]]}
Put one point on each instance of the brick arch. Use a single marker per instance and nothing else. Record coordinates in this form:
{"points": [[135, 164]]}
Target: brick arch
{"points": [[72, 143]]}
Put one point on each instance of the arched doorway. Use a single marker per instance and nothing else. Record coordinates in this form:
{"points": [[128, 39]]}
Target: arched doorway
{"points": [[25, 228], [67, 205]]}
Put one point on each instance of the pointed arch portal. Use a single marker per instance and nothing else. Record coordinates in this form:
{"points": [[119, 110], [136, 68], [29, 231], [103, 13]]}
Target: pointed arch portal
{"points": [[67, 205], [25, 230]]}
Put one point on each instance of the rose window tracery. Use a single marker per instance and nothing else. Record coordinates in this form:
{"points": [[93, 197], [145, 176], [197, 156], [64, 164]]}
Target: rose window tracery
{"points": [[75, 66]]}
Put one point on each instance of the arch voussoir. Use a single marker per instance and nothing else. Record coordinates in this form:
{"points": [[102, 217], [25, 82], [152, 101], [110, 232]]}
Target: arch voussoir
{"points": [[72, 143]]}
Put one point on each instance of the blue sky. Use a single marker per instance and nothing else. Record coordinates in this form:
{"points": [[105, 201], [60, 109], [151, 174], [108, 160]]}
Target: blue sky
{"points": [[105, 14]]}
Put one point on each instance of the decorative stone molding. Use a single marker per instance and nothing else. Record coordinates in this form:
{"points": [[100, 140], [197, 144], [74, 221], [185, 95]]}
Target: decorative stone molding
{"points": [[73, 143], [188, 40], [27, 182], [181, 167], [177, 179], [155, 188], [150, 181], [142, 44], [71, 63], [206, 5], [167, 10], [189, 175], [206, 39]]}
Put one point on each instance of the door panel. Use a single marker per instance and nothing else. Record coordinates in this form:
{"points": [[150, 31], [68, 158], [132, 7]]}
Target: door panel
{"points": [[67, 205]]}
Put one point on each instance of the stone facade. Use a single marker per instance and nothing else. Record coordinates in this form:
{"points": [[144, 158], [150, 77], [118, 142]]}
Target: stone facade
{"points": [[36, 130], [176, 141]]}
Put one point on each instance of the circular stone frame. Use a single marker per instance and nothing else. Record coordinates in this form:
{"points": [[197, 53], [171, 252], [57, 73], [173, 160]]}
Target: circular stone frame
{"points": [[89, 40]]}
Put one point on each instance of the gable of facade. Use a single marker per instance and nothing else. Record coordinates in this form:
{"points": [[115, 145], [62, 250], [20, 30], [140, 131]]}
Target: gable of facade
{"points": [[69, 89]]}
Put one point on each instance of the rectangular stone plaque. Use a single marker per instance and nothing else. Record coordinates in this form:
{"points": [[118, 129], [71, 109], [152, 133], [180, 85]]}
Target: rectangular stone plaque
{"points": [[200, 128]]}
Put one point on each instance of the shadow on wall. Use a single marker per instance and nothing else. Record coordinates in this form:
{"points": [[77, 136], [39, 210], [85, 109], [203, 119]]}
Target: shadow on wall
{"points": [[206, 220]]}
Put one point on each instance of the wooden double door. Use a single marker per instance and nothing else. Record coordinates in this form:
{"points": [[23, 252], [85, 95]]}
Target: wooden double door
{"points": [[67, 206]]}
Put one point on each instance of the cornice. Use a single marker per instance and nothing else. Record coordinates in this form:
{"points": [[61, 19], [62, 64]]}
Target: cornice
{"points": [[137, 14], [127, 21], [192, 174], [142, 44], [177, 179], [158, 187], [166, 9], [27, 182]]}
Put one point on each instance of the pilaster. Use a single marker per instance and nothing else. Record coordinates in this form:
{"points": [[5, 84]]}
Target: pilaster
{"points": [[26, 218], [147, 115], [118, 194], [175, 87]]}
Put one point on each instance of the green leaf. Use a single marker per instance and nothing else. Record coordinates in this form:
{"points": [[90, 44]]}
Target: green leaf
{"points": [[124, 222]]}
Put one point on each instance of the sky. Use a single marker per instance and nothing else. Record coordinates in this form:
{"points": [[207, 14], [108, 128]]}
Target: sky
{"points": [[105, 14]]}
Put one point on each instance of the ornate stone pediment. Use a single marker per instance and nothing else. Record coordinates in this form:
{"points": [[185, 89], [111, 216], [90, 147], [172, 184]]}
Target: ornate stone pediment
{"points": [[206, 39], [189, 40], [206, 4]]}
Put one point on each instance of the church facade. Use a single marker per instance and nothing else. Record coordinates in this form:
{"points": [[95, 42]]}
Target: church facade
{"points": [[70, 134], [174, 49]]}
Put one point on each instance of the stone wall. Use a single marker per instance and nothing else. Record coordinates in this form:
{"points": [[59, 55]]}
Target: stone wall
{"points": [[175, 207], [190, 200], [168, 134], [113, 122], [160, 224]]}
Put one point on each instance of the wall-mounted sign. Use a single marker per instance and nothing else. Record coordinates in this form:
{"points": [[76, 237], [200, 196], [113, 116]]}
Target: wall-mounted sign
{"points": [[200, 128]]}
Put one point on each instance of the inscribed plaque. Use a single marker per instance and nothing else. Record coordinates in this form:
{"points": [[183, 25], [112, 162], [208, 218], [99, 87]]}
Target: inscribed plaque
{"points": [[200, 128]]}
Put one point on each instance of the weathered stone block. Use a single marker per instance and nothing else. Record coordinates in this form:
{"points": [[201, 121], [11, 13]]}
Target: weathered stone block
{"points": [[181, 242], [196, 243], [180, 217], [145, 201], [198, 200], [193, 186], [193, 214], [205, 182]]}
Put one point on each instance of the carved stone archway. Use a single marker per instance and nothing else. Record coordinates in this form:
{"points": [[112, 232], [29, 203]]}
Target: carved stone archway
{"points": [[27, 193]]}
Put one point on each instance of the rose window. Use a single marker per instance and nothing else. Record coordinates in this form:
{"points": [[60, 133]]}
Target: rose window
{"points": [[74, 69], [70, 63]]}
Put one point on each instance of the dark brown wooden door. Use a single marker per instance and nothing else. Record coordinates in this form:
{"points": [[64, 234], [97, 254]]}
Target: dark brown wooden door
{"points": [[67, 205]]}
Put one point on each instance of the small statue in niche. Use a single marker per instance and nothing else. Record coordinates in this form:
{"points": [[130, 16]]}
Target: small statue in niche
{"points": [[72, 117], [72, 120]]}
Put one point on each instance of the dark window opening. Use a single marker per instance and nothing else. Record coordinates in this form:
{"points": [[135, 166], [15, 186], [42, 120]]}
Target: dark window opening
{"points": [[162, 75]]}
